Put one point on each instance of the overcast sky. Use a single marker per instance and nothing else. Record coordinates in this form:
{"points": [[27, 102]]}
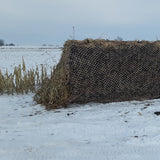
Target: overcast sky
{"points": [[36, 22]]}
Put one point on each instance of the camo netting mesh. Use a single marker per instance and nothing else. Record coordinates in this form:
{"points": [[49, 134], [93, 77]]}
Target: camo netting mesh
{"points": [[108, 71]]}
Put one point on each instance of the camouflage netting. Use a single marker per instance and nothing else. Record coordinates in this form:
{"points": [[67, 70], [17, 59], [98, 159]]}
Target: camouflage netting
{"points": [[105, 71]]}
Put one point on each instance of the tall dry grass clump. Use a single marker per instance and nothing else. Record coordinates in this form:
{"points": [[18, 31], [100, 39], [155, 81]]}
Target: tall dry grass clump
{"points": [[53, 91], [22, 80]]}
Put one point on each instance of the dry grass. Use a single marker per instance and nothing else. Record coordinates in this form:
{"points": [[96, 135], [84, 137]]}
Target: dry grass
{"points": [[53, 93], [48, 90], [22, 80]]}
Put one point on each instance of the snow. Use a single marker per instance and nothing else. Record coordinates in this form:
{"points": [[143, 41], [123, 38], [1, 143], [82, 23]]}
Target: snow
{"points": [[12, 56], [95, 131]]}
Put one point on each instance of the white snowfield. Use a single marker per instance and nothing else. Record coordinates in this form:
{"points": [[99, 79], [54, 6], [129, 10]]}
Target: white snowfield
{"points": [[112, 131]]}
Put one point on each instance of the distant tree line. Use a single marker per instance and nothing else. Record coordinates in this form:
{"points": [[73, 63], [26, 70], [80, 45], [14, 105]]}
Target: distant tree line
{"points": [[3, 44]]}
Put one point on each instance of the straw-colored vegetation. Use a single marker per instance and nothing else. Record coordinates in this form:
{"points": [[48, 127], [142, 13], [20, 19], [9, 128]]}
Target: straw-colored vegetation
{"points": [[22, 80], [48, 90], [53, 91]]}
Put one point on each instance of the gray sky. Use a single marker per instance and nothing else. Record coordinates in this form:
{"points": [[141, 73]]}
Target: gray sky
{"points": [[35, 22]]}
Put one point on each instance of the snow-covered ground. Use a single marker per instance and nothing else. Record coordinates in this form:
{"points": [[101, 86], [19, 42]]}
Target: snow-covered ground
{"points": [[112, 131], [12, 56]]}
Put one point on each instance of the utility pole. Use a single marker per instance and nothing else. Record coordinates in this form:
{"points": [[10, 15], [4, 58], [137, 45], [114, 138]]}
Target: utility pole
{"points": [[73, 33]]}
